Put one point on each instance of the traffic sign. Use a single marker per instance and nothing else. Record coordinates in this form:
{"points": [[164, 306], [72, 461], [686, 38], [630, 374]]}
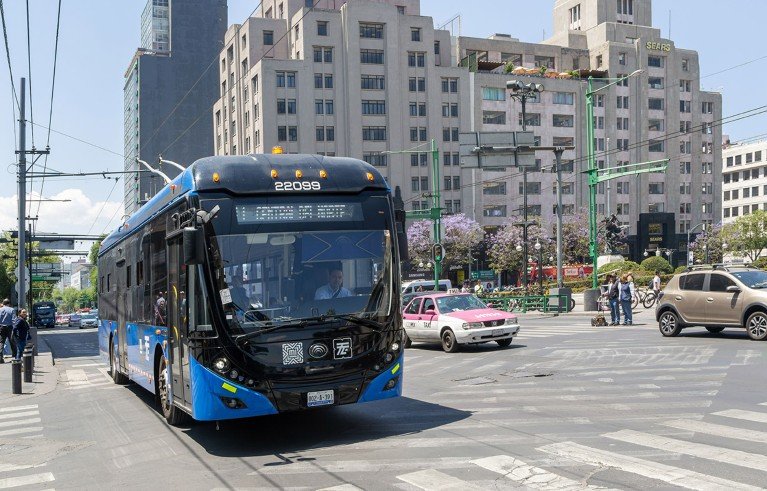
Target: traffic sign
{"points": [[26, 288], [497, 149]]}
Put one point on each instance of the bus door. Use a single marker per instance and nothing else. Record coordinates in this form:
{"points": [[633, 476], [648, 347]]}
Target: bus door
{"points": [[178, 319], [122, 328]]}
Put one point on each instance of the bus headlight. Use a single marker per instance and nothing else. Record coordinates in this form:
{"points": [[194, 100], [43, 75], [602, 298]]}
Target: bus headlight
{"points": [[234, 373], [395, 346], [221, 365]]}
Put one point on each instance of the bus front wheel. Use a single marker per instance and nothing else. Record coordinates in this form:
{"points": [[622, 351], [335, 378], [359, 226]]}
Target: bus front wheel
{"points": [[173, 415]]}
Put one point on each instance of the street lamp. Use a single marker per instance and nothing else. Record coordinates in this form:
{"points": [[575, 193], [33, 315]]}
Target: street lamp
{"points": [[539, 249], [689, 256], [593, 168], [705, 253], [520, 90], [524, 266]]}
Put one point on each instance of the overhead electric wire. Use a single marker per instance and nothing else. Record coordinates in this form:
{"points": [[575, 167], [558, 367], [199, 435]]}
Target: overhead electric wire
{"points": [[117, 179], [29, 68], [50, 111], [8, 57]]}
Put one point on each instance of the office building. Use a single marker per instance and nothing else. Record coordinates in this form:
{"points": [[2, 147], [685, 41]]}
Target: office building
{"points": [[359, 78], [170, 86], [744, 179]]}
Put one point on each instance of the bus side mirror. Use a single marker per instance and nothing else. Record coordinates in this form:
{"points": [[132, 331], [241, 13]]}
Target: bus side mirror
{"points": [[194, 247], [399, 221]]}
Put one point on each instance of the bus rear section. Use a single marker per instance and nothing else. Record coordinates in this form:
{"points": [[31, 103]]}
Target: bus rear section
{"points": [[44, 314], [265, 301]]}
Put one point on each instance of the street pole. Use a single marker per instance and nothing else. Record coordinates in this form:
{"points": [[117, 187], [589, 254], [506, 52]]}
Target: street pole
{"points": [[607, 191], [436, 213], [592, 182], [558, 156], [22, 250], [524, 201], [689, 256]]}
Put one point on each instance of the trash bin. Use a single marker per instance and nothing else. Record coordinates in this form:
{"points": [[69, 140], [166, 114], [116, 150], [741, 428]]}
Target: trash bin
{"points": [[560, 299], [591, 299]]}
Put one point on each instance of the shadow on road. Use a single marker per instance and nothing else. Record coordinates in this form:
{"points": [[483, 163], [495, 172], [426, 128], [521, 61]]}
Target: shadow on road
{"points": [[71, 342], [286, 435]]}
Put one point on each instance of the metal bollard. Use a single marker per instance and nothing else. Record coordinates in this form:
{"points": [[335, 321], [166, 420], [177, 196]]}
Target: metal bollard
{"points": [[30, 348], [16, 376], [27, 357]]}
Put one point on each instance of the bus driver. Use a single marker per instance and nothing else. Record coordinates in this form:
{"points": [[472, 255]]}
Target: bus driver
{"points": [[334, 288]]}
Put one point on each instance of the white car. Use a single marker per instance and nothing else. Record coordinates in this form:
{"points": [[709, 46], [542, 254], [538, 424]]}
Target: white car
{"points": [[89, 320], [455, 319]]}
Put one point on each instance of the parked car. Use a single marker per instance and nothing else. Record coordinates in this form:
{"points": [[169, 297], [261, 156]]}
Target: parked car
{"points": [[88, 320], [457, 318], [74, 320], [62, 320], [715, 298]]}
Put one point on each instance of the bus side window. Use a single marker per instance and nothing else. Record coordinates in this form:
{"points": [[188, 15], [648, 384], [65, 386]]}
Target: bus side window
{"points": [[159, 269]]}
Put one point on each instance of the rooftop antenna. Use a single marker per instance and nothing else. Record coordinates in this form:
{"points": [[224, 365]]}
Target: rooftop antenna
{"points": [[669, 23]]}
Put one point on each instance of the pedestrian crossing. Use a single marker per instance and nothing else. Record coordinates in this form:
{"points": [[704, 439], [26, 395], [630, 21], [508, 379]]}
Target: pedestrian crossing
{"points": [[19, 423], [667, 454], [529, 331], [83, 376]]}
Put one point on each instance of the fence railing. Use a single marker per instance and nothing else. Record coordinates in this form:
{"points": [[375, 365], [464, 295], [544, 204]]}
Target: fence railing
{"points": [[525, 303]]}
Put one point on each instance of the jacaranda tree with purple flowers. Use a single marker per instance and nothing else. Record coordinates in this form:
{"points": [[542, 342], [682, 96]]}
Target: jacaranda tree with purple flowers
{"points": [[461, 233]]}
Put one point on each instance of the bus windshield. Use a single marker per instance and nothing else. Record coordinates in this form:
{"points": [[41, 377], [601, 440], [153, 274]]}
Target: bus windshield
{"points": [[324, 260]]}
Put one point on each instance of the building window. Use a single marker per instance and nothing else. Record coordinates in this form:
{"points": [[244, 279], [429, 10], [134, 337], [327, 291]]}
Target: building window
{"points": [[545, 61], [376, 159], [656, 188], [493, 94], [494, 211], [493, 117], [494, 189], [450, 85], [372, 31], [656, 104], [401, 9], [268, 38], [622, 58], [374, 133], [599, 60], [417, 84], [415, 59], [685, 65], [372, 82], [575, 18], [436, 47], [563, 98], [531, 119], [415, 34], [684, 106], [322, 28], [707, 108], [373, 107], [562, 120], [656, 146], [622, 209], [655, 61], [656, 125], [655, 82], [372, 56]]}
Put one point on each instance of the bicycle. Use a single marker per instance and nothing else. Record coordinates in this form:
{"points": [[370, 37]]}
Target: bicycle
{"points": [[644, 295]]}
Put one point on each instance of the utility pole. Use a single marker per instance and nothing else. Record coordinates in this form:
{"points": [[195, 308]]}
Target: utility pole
{"points": [[608, 210], [22, 153], [558, 155]]}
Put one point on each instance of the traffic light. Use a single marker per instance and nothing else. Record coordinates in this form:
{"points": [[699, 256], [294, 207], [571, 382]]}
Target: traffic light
{"points": [[437, 252]]}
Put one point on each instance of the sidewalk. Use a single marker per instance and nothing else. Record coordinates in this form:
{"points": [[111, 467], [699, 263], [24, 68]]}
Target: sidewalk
{"points": [[44, 378], [580, 312]]}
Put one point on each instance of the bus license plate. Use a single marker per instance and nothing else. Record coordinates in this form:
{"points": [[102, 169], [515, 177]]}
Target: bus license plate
{"points": [[319, 398]]}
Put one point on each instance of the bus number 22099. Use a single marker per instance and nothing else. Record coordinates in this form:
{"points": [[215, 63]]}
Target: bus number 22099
{"points": [[297, 186]]}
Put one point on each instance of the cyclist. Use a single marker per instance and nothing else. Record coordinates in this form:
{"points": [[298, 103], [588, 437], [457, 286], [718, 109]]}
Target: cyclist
{"points": [[656, 284]]}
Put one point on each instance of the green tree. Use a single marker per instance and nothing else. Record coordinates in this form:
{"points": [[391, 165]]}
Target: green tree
{"points": [[656, 263], [747, 235]]}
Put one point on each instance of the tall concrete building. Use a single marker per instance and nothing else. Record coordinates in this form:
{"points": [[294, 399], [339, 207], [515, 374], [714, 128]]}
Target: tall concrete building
{"points": [[170, 86], [361, 77], [744, 179]]}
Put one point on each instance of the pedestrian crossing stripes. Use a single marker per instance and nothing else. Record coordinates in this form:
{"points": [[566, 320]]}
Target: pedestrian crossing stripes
{"points": [[529, 475], [745, 415], [96, 376], [19, 422]]}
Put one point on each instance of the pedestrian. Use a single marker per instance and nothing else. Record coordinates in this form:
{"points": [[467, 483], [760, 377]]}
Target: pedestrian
{"points": [[6, 329], [626, 294], [656, 283], [159, 309], [478, 289], [20, 333], [613, 295]]}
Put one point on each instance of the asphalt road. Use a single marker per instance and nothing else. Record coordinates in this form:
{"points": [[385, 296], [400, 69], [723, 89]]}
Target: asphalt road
{"points": [[567, 406]]}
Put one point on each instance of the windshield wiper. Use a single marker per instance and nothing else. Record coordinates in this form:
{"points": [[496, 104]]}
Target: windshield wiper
{"points": [[300, 323]]}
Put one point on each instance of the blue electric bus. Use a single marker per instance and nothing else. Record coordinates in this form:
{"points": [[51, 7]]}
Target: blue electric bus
{"points": [[257, 284]]}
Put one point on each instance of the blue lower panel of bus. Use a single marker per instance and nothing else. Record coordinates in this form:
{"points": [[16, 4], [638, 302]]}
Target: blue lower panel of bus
{"points": [[377, 389], [209, 391]]}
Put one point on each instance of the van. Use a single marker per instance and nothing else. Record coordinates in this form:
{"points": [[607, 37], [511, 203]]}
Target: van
{"points": [[425, 285]]}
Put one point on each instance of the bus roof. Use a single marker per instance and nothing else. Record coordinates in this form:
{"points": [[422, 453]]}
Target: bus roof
{"points": [[253, 174]]}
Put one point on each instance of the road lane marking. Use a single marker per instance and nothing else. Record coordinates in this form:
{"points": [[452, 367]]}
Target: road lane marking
{"points": [[528, 475], [718, 430], [342, 487], [19, 431], [18, 422], [82, 365], [19, 415], [431, 479], [15, 467], [741, 414], [106, 374], [673, 475], [17, 408], [701, 450], [13, 482]]}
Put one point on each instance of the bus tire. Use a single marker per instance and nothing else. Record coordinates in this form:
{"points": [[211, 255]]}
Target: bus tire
{"points": [[172, 414], [118, 377]]}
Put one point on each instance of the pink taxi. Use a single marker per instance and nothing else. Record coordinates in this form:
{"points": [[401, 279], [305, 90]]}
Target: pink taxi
{"points": [[455, 319]]}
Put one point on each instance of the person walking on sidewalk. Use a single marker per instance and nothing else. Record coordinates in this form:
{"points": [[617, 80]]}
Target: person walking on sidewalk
{"points": [[626, 289], [612, 297], [20, 333], [6, 328]]}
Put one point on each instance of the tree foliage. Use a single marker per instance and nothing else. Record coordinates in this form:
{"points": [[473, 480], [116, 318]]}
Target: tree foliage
{"points": [[708, 244], [656, 263], [747, 235], [503, 252], [461, 234]]}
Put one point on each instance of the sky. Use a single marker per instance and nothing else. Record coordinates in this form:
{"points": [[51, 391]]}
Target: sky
{"points": [[98, 38]]}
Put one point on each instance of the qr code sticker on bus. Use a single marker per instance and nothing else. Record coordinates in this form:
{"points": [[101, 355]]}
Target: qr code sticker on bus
{"points": [[292, 353]]}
